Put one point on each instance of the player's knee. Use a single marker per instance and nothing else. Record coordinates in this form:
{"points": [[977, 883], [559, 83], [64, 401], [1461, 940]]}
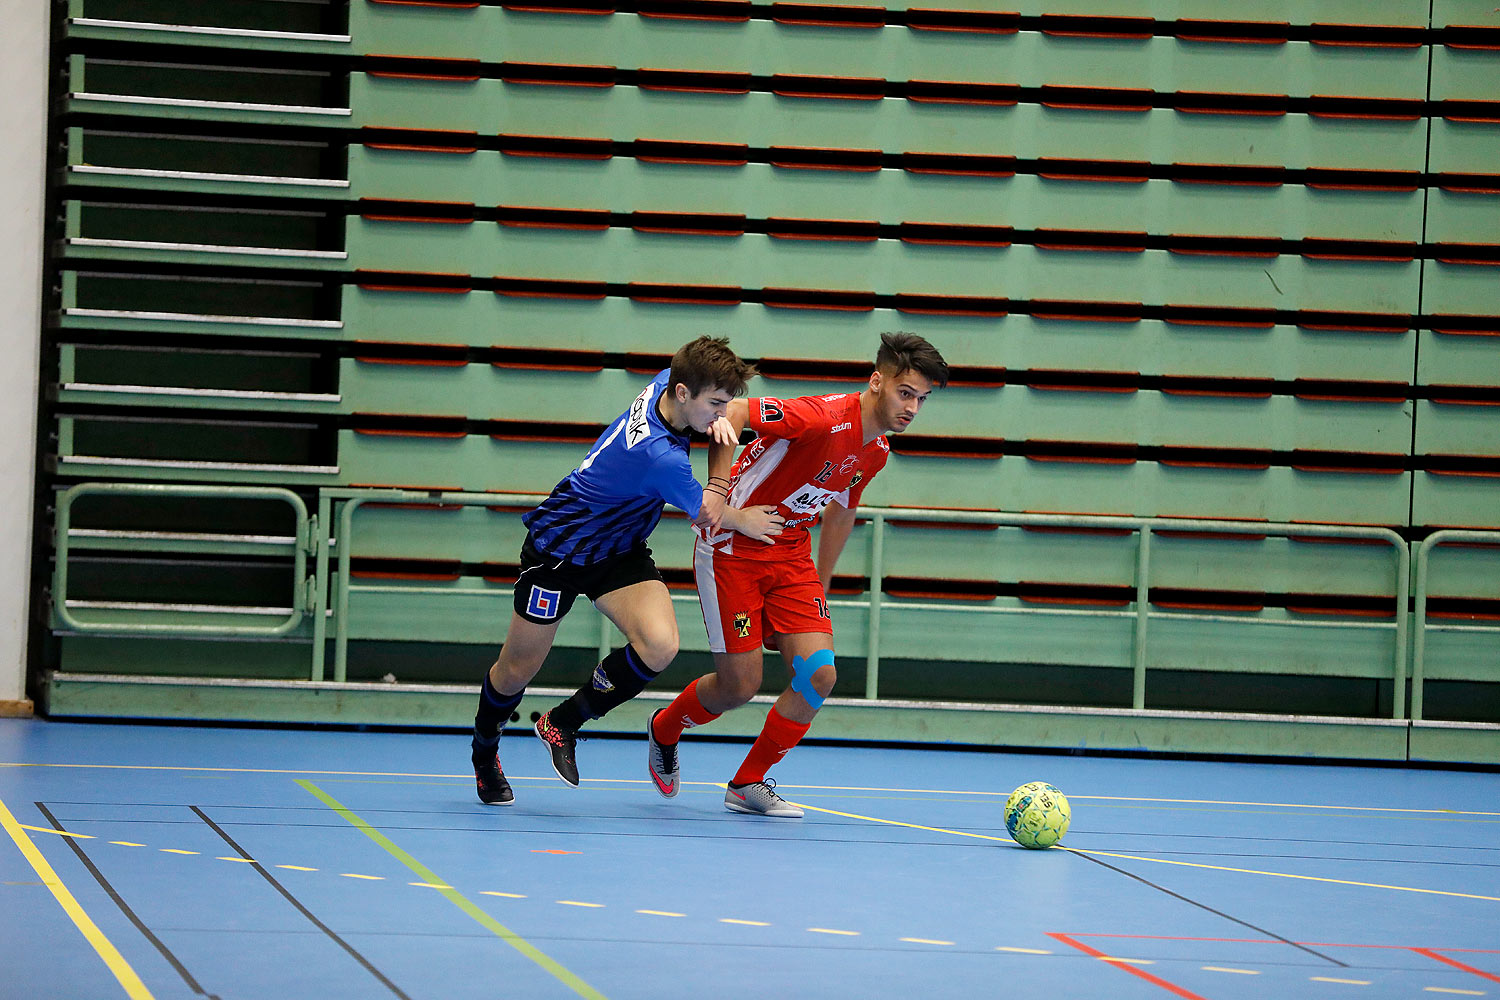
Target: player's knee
{"points": [[511, 673], [657, 648], [739, 688], [824, 678]]}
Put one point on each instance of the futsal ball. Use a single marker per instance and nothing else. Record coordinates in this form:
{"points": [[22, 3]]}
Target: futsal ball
{"points": [[1037, 815]]}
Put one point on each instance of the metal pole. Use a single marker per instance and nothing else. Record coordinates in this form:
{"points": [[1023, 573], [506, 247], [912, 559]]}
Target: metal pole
{"points": [[1398, 690], [1142, 616], [320, 587], [341, 608], [877, 574]]}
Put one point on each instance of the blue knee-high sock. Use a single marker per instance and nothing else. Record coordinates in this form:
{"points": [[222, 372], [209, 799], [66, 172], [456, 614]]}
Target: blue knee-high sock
{"points": [[495, 710]]}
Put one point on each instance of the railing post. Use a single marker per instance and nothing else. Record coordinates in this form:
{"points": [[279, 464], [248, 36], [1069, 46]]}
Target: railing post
{"points": [[320, 587], [1142, 616], [1398, 689], [341, 607], [872, 636]]}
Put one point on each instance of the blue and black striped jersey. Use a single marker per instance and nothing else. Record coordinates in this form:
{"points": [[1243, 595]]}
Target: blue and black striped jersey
{"points": [[613, 500]]}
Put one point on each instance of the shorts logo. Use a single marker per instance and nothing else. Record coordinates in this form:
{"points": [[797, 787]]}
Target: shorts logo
{"points": [[742, 624], [601, 681], [543, 603], [770, 410]]}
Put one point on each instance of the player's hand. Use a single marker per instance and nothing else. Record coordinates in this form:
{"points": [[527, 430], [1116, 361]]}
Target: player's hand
{"points": [[722, 431], [760, 523], [711, 513]]}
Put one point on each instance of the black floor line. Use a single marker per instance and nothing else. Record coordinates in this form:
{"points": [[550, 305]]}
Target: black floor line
{"points": [[140, 925], [300, 908], [1210, 909]]}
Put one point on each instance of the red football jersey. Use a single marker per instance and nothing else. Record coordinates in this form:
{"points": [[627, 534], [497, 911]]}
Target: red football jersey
{"points": [[810, 453]]}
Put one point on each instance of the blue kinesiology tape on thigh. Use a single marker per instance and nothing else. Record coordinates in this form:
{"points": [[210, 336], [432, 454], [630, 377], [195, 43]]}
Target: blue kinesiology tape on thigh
{"points": [[802, 672]]}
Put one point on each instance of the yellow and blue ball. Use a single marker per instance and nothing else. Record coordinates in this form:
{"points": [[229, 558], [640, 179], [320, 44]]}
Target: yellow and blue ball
{"points": [[1037, 815]]}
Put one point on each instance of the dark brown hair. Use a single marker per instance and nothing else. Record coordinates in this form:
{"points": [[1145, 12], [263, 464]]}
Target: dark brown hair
{"points": [[708, 362], [906, 352]]}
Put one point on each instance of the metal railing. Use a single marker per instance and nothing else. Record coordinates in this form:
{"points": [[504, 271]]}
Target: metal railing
{"points": [[1419, 637], [325, 595], [303, 589], [1143, 527], [351, 501], [1143, 614]]}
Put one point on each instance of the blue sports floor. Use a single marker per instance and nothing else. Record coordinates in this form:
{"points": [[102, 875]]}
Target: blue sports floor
{"points": [[153, 861]]}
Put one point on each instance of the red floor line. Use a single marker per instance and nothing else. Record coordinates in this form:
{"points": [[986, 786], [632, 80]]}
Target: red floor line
{"points": [[1125, 967], [1457, 964]]}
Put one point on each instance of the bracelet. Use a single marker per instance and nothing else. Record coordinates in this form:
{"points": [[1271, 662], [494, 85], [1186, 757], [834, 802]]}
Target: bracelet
{"points": [[720, 479]]}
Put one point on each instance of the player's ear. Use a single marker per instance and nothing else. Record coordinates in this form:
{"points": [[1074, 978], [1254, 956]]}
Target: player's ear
{"points": [[875, 380]]}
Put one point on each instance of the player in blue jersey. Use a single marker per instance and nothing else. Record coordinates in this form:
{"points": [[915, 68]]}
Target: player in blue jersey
{"points": [[589, 537]]}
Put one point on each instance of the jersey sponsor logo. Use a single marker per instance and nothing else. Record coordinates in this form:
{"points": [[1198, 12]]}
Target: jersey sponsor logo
{"points": [[770, 410], [637, 426], [742, 624], [841, 427], [848, 463], [809, 499], [835, 397], [543, 603]]}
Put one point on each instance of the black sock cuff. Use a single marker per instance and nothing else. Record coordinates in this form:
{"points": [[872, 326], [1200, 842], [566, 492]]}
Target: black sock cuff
{"points": [[494, 699]]}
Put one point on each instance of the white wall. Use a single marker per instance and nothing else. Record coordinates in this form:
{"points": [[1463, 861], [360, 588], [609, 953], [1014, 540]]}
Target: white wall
{"points": [[23, 123]]}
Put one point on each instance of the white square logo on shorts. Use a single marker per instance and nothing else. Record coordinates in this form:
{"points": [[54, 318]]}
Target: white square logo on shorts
{"points": [[543, 603]]}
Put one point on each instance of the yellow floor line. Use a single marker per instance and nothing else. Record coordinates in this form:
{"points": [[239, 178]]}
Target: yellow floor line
{"points": [[489, 923], [1161, 861], [59, 833], [134, 988], [1303, 878], [1077, 797]]}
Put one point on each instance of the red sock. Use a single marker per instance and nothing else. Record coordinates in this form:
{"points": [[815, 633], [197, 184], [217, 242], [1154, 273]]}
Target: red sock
{"points": [[684, 712], [778, 736]]}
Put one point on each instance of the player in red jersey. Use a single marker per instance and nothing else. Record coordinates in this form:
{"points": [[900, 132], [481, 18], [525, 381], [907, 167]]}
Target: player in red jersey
{"points": [[814, 455]]}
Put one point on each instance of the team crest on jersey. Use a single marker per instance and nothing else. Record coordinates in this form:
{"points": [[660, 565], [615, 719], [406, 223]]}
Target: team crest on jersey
{"points": [[770, 410], [742, 624], [855, 481]]}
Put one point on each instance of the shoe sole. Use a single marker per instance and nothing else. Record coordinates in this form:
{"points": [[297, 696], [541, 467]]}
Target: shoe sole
{"points": [[651, 744], [507, 802], [536, 729], [745, 810], [792, 813]]}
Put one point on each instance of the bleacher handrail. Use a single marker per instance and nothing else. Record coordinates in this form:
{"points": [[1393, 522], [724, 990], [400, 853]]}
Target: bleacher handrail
{"points": [[1420, 581], [301, 543], [352, 499]]}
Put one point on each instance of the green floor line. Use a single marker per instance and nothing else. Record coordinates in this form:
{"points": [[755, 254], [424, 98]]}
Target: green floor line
{"points": [[455, 897]]}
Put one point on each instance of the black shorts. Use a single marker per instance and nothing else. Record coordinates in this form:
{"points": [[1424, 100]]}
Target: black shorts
{"points": [[547, 586]]}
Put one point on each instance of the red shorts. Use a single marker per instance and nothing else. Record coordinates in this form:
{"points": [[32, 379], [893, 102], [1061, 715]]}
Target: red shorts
{"points": [[746, 601]]}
